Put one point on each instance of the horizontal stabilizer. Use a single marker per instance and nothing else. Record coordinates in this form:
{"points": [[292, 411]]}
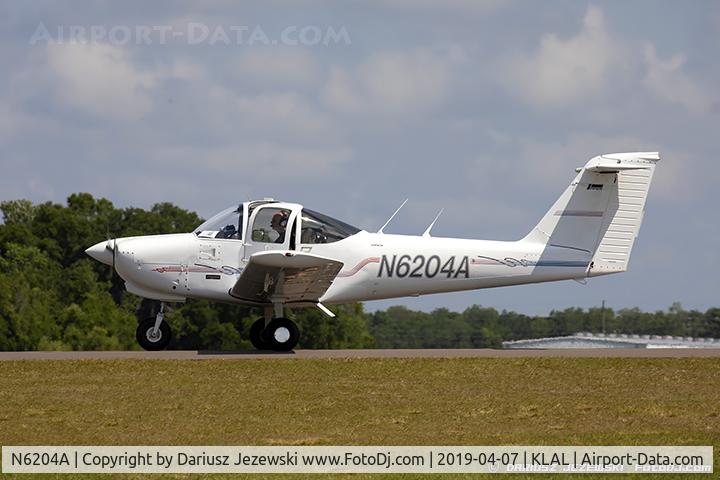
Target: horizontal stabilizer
{"points": [[618, 162]]}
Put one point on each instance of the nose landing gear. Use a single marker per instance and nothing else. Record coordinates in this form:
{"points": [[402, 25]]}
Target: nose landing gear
{"points": [[154, 333]]}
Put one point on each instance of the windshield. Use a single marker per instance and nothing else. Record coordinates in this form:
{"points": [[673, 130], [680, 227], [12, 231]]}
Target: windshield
{"points": [[319, 228], [226, 224]]}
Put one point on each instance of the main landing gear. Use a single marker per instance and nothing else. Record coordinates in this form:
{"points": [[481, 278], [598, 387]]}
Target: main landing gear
{"points": [[154, 333], [274, 333], [271, 332]]}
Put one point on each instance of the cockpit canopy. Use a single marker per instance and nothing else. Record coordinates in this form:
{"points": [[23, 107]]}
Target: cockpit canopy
{"points": [[314, 227], [226, 224]]}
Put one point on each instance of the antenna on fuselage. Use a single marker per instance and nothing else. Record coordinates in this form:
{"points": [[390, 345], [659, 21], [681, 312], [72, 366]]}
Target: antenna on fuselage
{"points": [[392, 216], [427, 231]]}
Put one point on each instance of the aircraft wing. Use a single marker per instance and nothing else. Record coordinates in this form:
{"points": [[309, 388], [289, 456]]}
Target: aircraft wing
{"points": [[292, 276]]}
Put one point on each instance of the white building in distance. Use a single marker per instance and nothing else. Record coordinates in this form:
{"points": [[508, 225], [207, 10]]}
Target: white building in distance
{"points": [[599, 340]]}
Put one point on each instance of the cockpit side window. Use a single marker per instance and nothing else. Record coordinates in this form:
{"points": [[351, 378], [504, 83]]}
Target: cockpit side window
{"points": [[319, 228], [270, 225], [226, 224]]}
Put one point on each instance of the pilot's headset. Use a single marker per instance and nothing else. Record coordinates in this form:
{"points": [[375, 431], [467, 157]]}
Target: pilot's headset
{"points": [[280, 219]]}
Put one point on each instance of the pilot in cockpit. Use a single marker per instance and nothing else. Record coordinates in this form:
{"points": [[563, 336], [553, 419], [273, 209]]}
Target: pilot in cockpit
{"points": [[279, 224]]}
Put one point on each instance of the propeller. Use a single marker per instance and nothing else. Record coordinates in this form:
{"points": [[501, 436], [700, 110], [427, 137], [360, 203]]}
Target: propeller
{"points": [[115, 279], [110, 245], [114, 252]]}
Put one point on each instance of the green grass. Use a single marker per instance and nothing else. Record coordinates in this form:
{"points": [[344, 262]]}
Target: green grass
{"points": [[476, 401]]}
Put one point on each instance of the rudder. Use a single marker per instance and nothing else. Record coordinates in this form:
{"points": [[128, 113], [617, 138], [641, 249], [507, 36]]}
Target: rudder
{"points": [[623, 218]]}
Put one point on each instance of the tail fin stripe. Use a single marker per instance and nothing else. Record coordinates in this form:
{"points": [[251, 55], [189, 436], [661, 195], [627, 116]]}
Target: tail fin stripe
{"points": [[578, 213]]}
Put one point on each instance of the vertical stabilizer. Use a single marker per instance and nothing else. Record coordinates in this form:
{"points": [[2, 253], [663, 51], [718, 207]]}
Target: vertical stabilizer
{"points": [[600, 212]]}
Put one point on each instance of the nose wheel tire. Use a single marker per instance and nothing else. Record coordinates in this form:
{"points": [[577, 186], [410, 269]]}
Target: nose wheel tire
{"points": [[151, 340], [280, 335]]}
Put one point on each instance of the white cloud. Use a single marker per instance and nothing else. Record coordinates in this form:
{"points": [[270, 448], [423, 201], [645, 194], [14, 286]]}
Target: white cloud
{"points": [[258, 161], [285, 111], [563, 71], [667, 80], [100, 79], [277, 66], [393, 82], [103, 80], [548, 163], [230, 113], [184, 69]]}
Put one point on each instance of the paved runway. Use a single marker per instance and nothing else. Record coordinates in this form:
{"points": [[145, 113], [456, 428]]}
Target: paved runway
{"points": [[419, 353]]}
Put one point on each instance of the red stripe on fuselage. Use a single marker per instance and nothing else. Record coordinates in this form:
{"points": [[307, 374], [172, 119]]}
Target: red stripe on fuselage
{"points": [[358, 267]]}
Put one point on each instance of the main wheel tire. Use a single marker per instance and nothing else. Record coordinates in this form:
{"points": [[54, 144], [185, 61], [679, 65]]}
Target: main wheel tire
{"points": [[256, 337], [148, 341], [281, 335]]}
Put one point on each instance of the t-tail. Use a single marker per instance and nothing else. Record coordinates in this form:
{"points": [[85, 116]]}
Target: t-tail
{"points": [[597, 219]]}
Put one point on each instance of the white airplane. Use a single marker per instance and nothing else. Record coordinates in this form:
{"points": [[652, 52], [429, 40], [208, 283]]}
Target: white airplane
{"points": [[274, 254]]}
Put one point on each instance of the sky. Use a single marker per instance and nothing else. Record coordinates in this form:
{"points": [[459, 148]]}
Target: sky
{"points": [[483, 108]]}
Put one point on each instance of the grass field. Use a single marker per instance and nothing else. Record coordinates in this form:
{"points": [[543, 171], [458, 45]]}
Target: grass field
{"points": [[476, 401]]}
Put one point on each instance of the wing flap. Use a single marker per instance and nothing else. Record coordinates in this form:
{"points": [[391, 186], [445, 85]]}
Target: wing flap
{"points": [[288, 275]]}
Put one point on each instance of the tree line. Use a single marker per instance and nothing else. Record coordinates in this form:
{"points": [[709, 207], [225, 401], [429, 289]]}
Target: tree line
{"points": [[53, 297]]}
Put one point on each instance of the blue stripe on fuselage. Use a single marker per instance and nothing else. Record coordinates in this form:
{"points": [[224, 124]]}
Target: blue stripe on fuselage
{"points": [[560, 263]]}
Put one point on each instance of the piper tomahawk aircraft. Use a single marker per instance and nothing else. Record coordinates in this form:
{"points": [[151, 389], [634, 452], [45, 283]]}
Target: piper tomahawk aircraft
{"points": [[274, 254]]}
